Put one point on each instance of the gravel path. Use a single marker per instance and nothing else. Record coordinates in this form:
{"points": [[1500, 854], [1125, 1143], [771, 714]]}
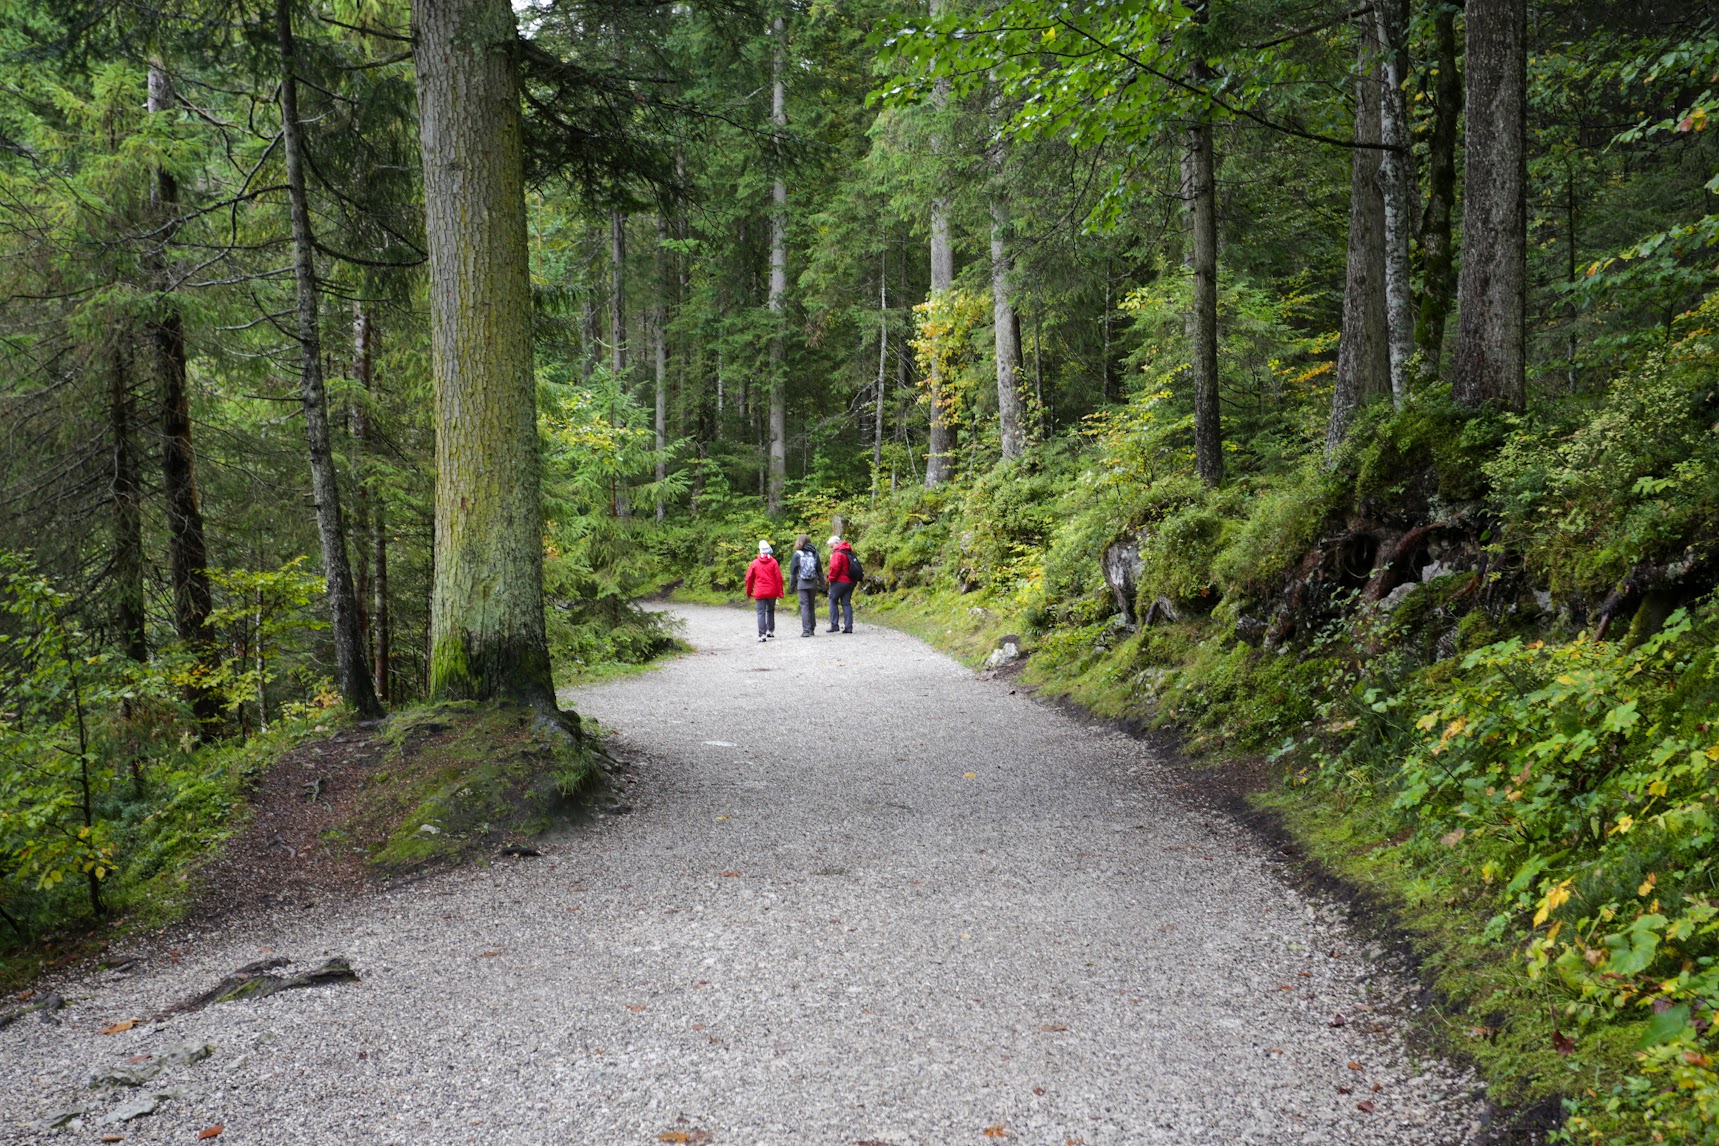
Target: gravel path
{"points": [[862, 897]]}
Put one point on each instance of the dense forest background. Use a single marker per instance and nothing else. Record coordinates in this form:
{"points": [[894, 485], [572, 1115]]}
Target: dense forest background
{"points": [[1325, 379]]}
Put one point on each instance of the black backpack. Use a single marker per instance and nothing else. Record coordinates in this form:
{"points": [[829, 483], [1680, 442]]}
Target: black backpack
{"points": [[856, 572]]}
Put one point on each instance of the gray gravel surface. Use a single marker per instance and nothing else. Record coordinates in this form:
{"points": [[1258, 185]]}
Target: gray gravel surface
{"points": [[861, 896]]}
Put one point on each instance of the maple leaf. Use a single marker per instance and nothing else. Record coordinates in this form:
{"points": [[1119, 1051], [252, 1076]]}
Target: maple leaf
{"points": [[996, 1132], [212, 1132], [116, 1028]]}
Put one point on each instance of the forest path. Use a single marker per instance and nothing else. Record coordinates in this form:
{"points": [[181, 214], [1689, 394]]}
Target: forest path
{"points": [[862, 896]]}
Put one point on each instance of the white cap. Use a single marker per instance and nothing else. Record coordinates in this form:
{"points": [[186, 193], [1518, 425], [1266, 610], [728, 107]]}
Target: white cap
{"points": [[764, 547]]}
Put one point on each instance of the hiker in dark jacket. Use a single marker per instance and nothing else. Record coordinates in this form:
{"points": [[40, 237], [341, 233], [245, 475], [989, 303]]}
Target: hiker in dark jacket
{"points": [[805, 572], [764, 586], [841, 585]]}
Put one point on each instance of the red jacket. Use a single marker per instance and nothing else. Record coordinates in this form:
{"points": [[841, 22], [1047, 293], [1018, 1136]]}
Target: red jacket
{"points": [[764, 578], [839, 562]]}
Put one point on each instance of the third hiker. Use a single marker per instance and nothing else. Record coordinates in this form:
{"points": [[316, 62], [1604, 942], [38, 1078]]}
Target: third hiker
{"points": [[844, 575]]}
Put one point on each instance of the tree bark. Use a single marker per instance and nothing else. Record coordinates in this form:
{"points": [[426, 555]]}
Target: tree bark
{"points": [[187, 548], [376, 539], [882, 362], [940, 450], [778, 283], [1364, 353], [617, 295], [1008, 345], [1491, 293], [126, 489], [487, 635], [659, 348], [1200, 193], [1437, 281], [352, 674], [1397, 185]]}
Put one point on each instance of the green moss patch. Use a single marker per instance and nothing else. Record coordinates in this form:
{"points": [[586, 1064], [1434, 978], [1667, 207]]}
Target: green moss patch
{"points": [[460, 779]]}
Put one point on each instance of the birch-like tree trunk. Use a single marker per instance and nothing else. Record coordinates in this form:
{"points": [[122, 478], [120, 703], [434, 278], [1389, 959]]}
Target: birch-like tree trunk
{"points": [[126, 490], [659, 352], [940, 450], [1491, 293], [187, 548], [487, 634], [1007, 340], [1398, 186], [1364, 354], [778, 282], [352, 673], [375, 536], [1438, 285]]}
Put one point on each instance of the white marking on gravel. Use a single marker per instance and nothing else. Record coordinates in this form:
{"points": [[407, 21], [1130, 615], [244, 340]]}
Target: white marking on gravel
{"points": [[842, 940]]}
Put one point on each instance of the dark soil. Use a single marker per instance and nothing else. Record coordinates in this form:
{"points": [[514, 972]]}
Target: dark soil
{"points": [[281, 858]]}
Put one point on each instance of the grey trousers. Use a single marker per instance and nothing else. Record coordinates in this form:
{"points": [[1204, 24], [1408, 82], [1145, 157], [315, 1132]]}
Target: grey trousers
{"points": [[766, 615], [808, 612]]}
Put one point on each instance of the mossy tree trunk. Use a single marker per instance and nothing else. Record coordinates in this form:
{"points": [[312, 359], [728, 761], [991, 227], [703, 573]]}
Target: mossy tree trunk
{"points": [[487, 636], [1438, 285], [1364, 354]]}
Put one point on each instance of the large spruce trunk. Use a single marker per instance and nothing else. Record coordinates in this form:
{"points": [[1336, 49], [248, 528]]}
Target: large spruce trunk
{"points": [[1491, 293], [1437, 265], [1363, 356], [352, 674], [487, 634]]}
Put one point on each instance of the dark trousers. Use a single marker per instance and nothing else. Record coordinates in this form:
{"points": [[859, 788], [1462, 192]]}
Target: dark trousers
{"points": [[808, 612], [766, 615], [842, 604]]}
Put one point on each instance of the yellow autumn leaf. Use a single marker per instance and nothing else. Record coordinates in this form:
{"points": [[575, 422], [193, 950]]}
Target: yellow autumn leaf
{"points": [[1624, 824], [1555, 899], [1657, 788], [1647, 884], [1426, 722]]}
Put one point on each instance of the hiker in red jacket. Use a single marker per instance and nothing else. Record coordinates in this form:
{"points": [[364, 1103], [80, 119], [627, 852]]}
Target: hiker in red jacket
{"points": [[842, 577], [764, 586]]}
